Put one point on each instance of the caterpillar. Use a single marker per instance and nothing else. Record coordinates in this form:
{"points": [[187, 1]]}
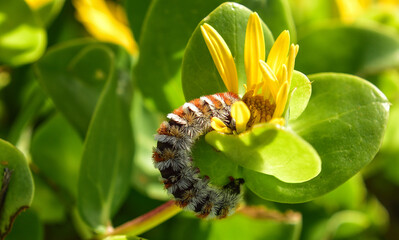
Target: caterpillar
{"points": [[172, 156]]}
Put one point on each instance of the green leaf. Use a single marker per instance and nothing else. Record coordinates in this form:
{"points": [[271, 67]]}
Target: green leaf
{"points": [[49, 10], [344, 122], [22, 38], [272, 150], [107, 154], [48, 203], [123, 237], [29, 110], [199, 74], [74, 81], [256, 226], [58, 158], [136, 12], [302, 89], [276, 14], [165, 32], [145, 123], [17, 185], [214, 164], [27, 226], [359, 50]]}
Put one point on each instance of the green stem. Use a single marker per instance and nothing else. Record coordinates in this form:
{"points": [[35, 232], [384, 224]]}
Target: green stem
{"points": [[147, 221]]}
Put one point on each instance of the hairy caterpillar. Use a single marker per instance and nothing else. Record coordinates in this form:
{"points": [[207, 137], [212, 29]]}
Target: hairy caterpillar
{"points": [[172, 157]]}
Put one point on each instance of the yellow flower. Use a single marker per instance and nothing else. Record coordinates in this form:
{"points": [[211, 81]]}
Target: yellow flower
{"points": [[36, 4], [350, 10], [106, 22], [268, 83]]}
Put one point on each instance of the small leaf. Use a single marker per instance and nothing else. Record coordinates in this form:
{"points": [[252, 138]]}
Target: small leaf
{"points": [[302, 88], [22, 38], [17, 186], [199, 74], [107, 154], [271, 150]]}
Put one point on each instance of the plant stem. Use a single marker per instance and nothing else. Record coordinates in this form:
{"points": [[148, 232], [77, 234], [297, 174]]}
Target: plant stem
{"points": [[147, 221]]}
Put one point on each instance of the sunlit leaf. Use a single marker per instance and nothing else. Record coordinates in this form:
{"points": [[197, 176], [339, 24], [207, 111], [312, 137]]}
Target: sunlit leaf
{"points": [[271, 150], [22, 38], [344, 122]]}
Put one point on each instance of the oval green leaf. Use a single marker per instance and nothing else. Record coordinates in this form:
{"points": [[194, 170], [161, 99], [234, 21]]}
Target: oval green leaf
{"points": [[272, 150], [107, 154], [16, 192], [344, 122], [199, 74], [359, 50], [22, 38]]}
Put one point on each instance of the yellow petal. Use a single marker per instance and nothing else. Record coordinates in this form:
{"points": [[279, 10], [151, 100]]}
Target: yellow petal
{"points": [[221, 56], [241, 114], [219, 126], [278, 53], [270, 79], [291, 61], [282, 97], [36, 4], [104, 24], [254, 50]]}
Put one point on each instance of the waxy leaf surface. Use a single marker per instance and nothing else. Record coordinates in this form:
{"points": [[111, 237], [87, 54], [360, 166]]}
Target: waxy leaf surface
{"points": [[271, 150], [344, 122]]}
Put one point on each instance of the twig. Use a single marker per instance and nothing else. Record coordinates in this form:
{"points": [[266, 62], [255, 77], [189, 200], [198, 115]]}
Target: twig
{"points": [[147, 221]]}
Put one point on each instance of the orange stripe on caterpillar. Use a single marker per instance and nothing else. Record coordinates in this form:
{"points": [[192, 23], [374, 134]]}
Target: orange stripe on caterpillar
{"points": [[172, 156]]}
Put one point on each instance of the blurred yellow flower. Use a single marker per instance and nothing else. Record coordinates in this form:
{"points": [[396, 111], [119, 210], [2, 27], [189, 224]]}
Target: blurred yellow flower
{"points": [[350, 10], [268, 83], [35, 4], [107, 22]]}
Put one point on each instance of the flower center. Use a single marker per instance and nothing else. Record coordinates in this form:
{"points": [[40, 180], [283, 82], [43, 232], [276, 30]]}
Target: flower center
{"points": [[261, 109]]}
